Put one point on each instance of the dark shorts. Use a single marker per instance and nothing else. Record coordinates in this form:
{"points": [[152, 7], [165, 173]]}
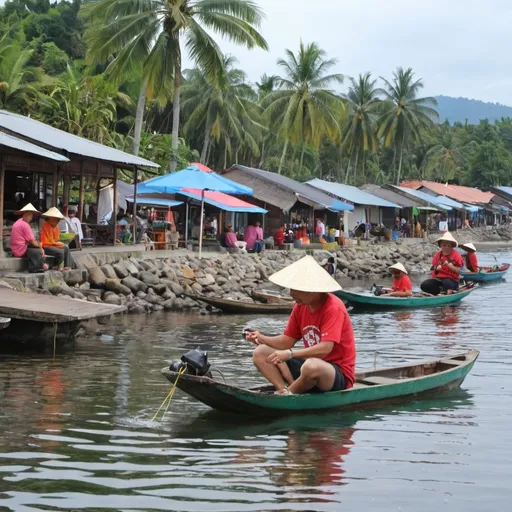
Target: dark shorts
{"points": [[295, 364]]}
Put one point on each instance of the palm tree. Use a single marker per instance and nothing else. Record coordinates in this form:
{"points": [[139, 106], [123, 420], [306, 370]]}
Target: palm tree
{"points": [[152, 31], [447, 154], [226, 110], [406, 115], [20, 83], [360, 131], [304, 108]]}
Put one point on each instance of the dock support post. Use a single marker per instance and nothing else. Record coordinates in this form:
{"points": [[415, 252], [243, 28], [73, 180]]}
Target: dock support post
{"points": [[114, 205], [81, 193], [135, 180], [2, 181]]}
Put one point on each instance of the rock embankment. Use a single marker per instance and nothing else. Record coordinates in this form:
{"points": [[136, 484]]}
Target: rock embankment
{"points": [[482, 234], [173, 283]]}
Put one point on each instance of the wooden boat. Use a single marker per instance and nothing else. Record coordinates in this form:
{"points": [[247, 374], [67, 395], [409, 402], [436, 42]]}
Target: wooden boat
{"points": [[370, 301], [238, 307], [399, 383], [486, 274], [271, 297]]}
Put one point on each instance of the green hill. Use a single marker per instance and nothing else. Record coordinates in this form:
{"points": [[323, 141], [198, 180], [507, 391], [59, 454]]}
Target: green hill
{"points": [[460, 109]]}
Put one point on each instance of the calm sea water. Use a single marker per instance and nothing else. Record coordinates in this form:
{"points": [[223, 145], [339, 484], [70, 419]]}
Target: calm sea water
{"points": [[77, 433]]}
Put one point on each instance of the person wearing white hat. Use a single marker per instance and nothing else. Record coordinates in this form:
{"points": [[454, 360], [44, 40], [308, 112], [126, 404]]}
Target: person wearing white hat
{"points": [[402, 286], [50, 239], [319, 318], [446, 265], [24, 243], [471, 257]]}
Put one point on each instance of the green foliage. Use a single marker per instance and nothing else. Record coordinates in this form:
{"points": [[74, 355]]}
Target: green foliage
{"points": [[55, 60]]}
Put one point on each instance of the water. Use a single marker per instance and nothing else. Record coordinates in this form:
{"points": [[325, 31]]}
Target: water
{"points": [[77, 432]]}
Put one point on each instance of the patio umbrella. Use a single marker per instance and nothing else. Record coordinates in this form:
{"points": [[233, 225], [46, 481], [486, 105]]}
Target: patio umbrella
{"points": [[194, 178]]}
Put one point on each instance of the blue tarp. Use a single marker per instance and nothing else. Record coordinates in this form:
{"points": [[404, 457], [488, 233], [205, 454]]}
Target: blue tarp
{"points": [[239, 206], [155, 201]]}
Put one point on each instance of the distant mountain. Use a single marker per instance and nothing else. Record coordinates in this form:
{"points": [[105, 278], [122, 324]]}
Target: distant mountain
{"points": [[460, 109]]}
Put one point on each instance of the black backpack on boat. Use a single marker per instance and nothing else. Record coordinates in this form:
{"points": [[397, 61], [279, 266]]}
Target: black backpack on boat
{"points": [[195, 361]]}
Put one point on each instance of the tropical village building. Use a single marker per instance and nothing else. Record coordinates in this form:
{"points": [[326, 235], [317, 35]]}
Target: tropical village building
{"points": [[287, 201], [368, 208], [36, 158]]}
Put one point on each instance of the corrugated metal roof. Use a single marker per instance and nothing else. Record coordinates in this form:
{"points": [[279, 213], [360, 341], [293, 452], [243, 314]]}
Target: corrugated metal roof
{"points": [[22, 145], [391, 196], [506, 190], [430, 199], [58, 139], [456, 192], [352, 194], [302, 191], [450, 202]]}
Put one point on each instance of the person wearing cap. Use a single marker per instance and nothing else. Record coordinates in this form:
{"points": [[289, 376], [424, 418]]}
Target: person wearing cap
{"points": [[471, 259], [75, 224], [446, 266], [23, 242], [50, 239], [402, 286], [329, 265], [320, 319]]}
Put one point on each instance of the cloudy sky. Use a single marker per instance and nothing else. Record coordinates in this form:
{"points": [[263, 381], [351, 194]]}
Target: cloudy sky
{"points": [[458, 47]]}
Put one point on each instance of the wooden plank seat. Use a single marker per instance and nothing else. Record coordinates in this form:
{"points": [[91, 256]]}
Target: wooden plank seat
{"points": [[378, 380], [454, 362]]}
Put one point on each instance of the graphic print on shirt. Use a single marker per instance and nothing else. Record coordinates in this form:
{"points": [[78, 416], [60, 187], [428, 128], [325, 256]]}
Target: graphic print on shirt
{"points": [[311, 335]]}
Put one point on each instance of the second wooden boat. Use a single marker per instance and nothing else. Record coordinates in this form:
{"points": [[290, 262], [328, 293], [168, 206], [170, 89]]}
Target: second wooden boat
{"points": [[399, 383], [371, 301], [486, 274], [271, 297], [235, 307]]}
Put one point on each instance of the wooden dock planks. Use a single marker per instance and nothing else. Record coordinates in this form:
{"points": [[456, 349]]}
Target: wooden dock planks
{"points": [[47, 308]]}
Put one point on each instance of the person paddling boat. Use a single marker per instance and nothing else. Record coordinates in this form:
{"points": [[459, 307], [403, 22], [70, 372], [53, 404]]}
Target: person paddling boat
{"points": [[402, 286], [446, 266], [327, 361], [470, 259]]}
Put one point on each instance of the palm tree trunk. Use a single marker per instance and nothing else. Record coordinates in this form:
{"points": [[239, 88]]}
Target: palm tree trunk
{"points": [[225, 155], [262, 154], [175, 114], [139, 117], [364, 166], [355, 166], [400, 161], [281, 162], [301, 158], [347, 175], [206, 144]]}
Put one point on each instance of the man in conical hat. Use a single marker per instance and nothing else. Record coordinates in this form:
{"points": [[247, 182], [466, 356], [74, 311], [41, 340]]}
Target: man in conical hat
{"points": [[471, 257], [50, 238], [23, 242], [402, 286], [446, 266], [319, 318]]}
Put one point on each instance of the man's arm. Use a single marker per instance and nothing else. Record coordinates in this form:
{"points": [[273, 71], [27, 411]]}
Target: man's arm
{"points": [[320, 350], [408, 293], [281, 342]]}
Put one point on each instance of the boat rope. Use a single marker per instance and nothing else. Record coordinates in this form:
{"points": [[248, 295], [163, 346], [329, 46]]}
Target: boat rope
{"points": [[168, 398], [55, 340], [216, 370]]}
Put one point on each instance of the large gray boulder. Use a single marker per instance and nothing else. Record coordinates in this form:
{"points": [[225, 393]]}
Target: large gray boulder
{"points": [[135, 285], [149, 278], [114, 285], [176, 288], [120, 270], [97, 278], [109, 271]]}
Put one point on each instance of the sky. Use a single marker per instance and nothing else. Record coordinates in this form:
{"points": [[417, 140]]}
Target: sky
{"points": [[458, 47]]}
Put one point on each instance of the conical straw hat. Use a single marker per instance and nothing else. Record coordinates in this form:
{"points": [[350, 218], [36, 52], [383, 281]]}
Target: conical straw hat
{"points": [[447, 237], [469, 246], [305, 275], [27, 208], [398, 266], [53, 213]]}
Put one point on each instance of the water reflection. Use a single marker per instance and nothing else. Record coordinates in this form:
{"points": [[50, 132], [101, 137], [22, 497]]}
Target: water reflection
{"points": [[78, 435]]}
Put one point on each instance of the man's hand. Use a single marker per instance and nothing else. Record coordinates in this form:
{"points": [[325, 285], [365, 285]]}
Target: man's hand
{"points": [[60, 245], [279, 356], [253, 337]]}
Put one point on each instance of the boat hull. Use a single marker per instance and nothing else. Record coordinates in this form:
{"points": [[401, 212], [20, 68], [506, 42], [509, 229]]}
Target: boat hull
{"points": [[235, 307], [372, 301], [255, 402], [482, 277]]}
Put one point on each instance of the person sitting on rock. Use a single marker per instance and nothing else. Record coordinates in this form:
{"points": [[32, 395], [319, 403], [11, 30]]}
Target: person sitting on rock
{"points": [[446, 266], [471, 259], [327, 361], [50, 240], [329, 265], [402, 286], [23, 242]]}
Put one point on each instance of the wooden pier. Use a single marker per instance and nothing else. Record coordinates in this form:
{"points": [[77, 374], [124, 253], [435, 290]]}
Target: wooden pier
{"points": [[37, 319]]}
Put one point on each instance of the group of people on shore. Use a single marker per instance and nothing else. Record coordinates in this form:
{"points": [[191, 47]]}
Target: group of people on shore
{"points": [[25, 245]]}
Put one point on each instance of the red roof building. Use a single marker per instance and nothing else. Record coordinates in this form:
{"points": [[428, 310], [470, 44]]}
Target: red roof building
{"points": [[457, 192]]}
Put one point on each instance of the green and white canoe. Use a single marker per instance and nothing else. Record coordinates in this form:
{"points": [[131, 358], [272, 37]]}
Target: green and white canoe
{"points": [[370, 301], [400, 383]]}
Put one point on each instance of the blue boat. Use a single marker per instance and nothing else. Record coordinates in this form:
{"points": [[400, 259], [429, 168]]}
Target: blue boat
{"points": [[486, 274]]}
